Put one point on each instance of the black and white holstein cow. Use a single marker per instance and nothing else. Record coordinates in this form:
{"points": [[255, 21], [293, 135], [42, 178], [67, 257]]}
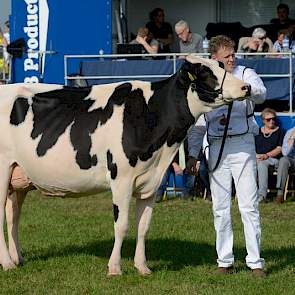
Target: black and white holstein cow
{"points": [[123, 136]]}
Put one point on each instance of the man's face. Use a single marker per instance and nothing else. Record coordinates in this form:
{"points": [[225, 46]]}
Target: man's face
{"points": [[282, 14], [226, 55], [182, 33]]}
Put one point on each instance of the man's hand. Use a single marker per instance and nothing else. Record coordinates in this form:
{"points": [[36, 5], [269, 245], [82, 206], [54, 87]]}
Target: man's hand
{"points": [[141, 40], [261, 157], [177, 169], [191, 166]]}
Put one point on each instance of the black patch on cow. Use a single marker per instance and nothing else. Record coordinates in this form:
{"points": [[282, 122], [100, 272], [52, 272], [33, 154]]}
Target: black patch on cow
{"points": [[148, 126], [19, 111], [112, 167], [116, 212], [55, 110]]}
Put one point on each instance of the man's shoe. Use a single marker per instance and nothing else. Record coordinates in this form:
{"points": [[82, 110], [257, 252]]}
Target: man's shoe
{"points": [[258, 273], [223, 270], [280, 199]]}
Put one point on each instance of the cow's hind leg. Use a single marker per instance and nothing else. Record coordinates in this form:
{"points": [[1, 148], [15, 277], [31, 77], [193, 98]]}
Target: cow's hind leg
{"points": [[144, 209], [13, 209], [5, 174], [121, 203]]}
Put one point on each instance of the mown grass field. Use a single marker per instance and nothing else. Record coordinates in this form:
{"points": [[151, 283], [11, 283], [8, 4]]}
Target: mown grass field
{"points": [[67, 242]]}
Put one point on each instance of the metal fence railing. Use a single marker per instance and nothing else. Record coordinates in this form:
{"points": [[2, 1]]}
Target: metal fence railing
{"points": [[173, 58]]}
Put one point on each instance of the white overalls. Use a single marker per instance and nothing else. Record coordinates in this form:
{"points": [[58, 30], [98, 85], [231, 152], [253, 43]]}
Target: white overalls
{"points": [[238, 162]]}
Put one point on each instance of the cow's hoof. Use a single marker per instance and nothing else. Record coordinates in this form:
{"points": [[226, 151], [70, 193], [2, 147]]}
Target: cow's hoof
{"points": [[19, 261], [143, 270], [8, 265], [114, 271]]}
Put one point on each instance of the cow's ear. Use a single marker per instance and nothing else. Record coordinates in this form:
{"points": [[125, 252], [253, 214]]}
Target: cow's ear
{"points": [[187, 73]]}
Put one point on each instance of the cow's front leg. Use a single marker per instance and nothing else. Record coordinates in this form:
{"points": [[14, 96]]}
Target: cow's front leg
{"points": [[13, 209], [5, 174], [144, 209], [121, 203]]}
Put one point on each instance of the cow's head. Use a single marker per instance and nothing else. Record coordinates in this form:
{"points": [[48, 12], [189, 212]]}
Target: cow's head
{"points": [[209, 85]]}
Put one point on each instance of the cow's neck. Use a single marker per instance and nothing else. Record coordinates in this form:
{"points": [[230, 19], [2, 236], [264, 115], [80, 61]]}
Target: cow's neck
{"points": [[164, 119]]}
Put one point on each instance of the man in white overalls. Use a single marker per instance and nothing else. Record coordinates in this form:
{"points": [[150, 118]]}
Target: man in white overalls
{"points": [[238, 161]]}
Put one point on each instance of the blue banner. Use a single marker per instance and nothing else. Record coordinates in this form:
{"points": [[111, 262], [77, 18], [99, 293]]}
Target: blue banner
{"points": [[54, 28]]}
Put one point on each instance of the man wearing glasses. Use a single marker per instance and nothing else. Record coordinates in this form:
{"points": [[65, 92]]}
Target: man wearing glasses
{"points": [[188, 42], [286, 162], [238, 161], [268, 149]]}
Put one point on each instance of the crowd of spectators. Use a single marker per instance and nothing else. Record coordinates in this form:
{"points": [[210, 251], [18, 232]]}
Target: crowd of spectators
{"points": [[192, 42], [274, 149]]}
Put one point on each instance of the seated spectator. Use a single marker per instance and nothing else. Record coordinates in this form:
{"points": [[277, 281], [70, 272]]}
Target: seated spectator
{"points": [[161, 30], [259, 42], [283, 16], [286, 162], [278, 45], [268, 149], [175, 168], [188, 42], [145, 38], [6, 42]]}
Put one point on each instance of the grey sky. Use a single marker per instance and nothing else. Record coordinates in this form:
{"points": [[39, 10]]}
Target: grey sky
{"points": [[5, 8]]}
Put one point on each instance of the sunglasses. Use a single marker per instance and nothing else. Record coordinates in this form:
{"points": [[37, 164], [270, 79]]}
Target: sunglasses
{"points": [[269, 119]]}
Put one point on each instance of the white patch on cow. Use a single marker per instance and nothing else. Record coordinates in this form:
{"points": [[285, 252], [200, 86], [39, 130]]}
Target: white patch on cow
{"points": [[145, 87], [101, 94]]}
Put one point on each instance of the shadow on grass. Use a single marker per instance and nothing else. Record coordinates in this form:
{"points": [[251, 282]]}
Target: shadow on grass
{"points": [[170, 253]]}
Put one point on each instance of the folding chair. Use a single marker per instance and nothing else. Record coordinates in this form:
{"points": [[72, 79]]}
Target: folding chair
{"points": [[174, 187], [289, 187]]}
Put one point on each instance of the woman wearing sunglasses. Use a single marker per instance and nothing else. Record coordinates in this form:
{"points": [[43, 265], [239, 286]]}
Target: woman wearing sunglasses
{"points": [[268, 149]]}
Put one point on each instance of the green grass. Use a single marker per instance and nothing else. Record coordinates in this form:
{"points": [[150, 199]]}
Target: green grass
{"points": [[67, 243]]}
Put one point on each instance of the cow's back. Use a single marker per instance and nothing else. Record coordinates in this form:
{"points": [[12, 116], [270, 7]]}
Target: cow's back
{"points": [[59, 156]]}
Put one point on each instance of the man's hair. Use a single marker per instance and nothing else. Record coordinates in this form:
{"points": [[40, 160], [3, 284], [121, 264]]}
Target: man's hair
{"points": [[182, 23], [220, 41], [283, 6], [268, 111], [155, 12]]}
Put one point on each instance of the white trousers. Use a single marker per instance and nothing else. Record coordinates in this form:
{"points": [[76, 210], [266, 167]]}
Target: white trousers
{"points": [[238, 162]]}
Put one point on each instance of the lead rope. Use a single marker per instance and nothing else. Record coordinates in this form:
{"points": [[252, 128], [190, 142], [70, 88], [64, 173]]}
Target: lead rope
{"points": [[230, 106]]}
